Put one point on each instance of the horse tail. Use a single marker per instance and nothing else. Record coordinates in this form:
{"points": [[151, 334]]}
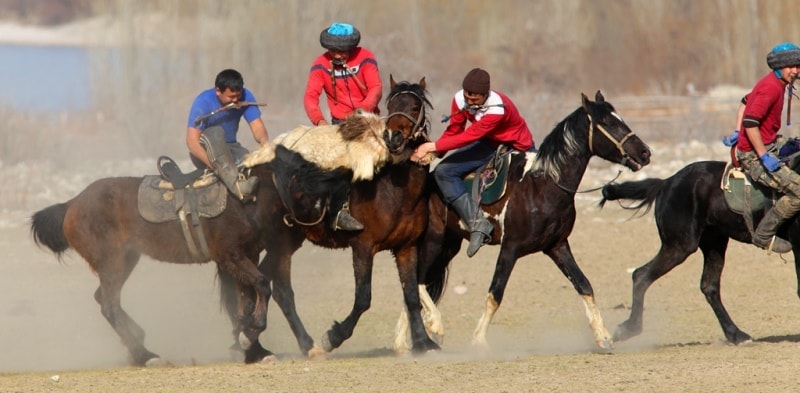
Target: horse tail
{"points": [[47, 228], [646, 191], [436, 278]]}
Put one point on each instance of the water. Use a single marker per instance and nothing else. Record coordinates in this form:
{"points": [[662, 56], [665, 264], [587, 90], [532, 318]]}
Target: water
{"points": [[44, 79]]}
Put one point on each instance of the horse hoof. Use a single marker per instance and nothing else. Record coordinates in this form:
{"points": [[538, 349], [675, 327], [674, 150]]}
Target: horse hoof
{"points": [[316, 353], [155, 362], [326, 343], [269, 359], [605, 344]]}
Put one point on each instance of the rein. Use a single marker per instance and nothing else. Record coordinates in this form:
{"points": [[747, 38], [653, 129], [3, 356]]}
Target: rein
{"points": [[290, 218], [617, 143]]}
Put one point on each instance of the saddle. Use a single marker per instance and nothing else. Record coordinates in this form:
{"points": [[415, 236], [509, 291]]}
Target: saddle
{"points": [[744, 196], [174, 195], [488, 182]]}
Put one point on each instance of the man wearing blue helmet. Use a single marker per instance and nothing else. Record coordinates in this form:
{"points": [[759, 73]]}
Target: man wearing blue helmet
{"points": [[757, 147], [349, 76]]}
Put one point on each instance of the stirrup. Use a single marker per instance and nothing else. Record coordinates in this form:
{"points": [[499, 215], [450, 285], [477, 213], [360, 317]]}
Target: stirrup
{"points": [[345, 222], [782, 244]]}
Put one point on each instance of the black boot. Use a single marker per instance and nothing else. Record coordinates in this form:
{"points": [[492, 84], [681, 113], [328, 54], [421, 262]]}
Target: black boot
{"points": [[345, 222], [480, 228], [213, 139], [764, 235]]}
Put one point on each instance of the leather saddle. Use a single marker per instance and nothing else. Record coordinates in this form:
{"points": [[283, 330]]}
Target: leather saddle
{"points": [[488, 183], [174, 194]]}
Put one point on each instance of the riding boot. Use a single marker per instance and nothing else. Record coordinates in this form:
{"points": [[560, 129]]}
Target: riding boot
{"points": [[764, 236], [344, 221], [213, 140], [480, 228]]}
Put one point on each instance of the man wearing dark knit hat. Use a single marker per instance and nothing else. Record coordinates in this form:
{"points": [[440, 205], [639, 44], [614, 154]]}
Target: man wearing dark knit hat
{"points": [[495, 121], [759, 144], [349, 76]]}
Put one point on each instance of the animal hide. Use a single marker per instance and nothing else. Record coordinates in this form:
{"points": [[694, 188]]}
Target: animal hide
{"points": [[356, 144]]}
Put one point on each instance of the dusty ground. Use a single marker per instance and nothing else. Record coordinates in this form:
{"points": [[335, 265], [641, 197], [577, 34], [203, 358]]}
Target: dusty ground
{"points": [[540, 338]]}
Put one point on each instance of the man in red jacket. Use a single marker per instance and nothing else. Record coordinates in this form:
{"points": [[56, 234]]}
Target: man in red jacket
{"points": [[494, 120], [346, 72], [759, 143]]}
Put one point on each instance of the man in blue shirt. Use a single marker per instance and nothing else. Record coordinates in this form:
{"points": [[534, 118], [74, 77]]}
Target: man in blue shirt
{"points": [[212, 127]]}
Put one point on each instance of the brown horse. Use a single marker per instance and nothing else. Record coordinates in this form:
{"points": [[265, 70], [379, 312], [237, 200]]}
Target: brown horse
{"points": [[103, 224], [394, 210], [537, 211]]}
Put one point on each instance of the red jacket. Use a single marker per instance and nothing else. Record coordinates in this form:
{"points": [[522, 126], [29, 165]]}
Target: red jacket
{"points": [[359, 88], [765, 104], [498, 124]]}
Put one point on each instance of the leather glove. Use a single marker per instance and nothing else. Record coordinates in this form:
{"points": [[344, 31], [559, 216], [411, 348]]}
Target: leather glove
{"points": [[770, 162], [731, 139]]}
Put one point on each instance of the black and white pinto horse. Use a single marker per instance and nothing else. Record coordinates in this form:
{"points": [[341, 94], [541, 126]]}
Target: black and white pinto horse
{"points": [[537, 213]]}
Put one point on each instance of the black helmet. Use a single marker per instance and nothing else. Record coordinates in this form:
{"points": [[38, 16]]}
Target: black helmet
{"points": [[340, 36]]}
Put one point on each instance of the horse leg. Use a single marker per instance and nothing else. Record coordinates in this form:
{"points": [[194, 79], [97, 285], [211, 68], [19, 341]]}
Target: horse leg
{"points": [[713, 248], [276, 265], [502, 271], [435, 254], [246, 273], [362, 270], [562, 256], [669, 256], [113, 271], [406, 260], [239, 303]]}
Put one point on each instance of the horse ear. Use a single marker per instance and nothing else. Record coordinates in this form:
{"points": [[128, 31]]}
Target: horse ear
{"points": [[422, 83], [598, 97], [392, 83], [584, 100]]}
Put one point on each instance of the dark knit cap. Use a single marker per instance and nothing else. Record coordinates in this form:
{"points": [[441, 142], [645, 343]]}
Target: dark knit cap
{"points": [[476, 81], [783, 55], [340, 36]]}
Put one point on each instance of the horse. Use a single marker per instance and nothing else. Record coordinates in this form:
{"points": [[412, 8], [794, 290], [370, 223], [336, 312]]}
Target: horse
{"points": [[690, 213], [537, 211], [393, 206], [103, 225]]}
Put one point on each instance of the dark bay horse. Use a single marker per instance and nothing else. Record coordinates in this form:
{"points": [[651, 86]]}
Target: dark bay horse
{"points": [[690, 213], [394, 210], [537, 212], [103, 224]]}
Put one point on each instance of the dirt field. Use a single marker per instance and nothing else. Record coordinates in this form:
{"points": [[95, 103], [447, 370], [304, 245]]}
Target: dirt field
{"points": [[52, 328]]}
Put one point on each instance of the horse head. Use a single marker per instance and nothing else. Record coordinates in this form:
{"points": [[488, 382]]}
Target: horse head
{"points": [[610, 138], [407, 123]]}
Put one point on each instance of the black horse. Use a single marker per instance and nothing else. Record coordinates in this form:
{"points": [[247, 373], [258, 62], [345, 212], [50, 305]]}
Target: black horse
{"points": [[690, 213], [537, 212]]}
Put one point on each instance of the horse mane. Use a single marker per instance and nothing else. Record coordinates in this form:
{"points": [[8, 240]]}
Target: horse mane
{"points": [[356, 144], [565, 140]]}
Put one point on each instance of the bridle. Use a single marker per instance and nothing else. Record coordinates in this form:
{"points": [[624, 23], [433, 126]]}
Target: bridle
{"points": [[614, 141], [420, 124], [617, 143]]}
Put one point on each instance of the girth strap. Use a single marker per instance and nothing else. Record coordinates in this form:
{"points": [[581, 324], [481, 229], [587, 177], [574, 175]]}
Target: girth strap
{"points": [[202, 254]]}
